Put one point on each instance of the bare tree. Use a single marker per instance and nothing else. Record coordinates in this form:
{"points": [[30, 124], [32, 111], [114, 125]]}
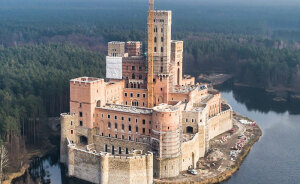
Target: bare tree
{"points": [[3, 161]]}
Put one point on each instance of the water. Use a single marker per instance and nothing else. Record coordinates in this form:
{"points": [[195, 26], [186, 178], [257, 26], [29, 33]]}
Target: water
{"points": [[274, 159]]}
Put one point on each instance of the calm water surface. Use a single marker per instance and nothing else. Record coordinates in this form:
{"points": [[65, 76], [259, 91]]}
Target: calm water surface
{"points": [[274, 159]]}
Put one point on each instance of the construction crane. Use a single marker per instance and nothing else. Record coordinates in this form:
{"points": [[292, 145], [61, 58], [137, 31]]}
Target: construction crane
{"points": [[150, 53]]}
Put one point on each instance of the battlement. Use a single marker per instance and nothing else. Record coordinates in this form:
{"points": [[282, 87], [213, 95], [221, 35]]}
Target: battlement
{"points": [[134, 155], [86, 80]]}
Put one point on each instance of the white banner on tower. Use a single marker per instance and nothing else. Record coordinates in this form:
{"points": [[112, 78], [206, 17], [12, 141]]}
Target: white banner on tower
{"points": [[113, 67]]}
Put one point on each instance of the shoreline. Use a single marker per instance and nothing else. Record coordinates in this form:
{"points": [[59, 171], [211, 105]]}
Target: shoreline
{"points": [[228, 173]]}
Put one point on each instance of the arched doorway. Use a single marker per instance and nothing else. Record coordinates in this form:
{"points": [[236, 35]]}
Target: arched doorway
{"points": [[189, 130], [83, 140]]}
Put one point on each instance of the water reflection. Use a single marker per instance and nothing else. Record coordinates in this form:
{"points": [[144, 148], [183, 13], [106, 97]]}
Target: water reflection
{"points": [[259, 99]]}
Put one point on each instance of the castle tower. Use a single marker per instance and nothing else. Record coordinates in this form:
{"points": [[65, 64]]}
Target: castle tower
{"points": [[162, 41], [176, 61], [166, 141], [86, 93]]}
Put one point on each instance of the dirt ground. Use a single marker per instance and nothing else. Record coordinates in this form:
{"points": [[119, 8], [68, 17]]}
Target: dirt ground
{"points": [[225, 153]]}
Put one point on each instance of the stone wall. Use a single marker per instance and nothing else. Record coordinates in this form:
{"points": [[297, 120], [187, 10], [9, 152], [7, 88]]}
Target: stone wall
{"points": [[220, 123], [166, 168], [193, 149], [108, 169]]}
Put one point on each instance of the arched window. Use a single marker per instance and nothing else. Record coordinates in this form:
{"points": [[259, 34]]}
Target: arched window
{"points": [[109, 125], [98, 103]]}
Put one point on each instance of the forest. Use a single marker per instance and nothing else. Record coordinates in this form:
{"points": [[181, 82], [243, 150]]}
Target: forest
{"points": [[43, 44]]}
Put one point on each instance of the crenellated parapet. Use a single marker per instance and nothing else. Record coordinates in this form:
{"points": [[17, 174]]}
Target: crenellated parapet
{"points": [[104, 168]]}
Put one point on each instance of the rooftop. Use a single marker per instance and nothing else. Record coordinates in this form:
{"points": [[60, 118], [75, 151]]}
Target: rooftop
{"points": [[165, 108], [86, 79], [126, 108]]}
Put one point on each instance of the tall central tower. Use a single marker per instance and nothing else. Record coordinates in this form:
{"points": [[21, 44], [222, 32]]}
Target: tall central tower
{"points": [[159, 55], [162, 42]]}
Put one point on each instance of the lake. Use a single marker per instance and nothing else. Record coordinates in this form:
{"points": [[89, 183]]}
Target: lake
{"points": [[273, 159]]}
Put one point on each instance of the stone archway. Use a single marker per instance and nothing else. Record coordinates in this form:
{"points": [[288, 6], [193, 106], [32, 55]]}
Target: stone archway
{"points": [[189, 129], [83, 140]]}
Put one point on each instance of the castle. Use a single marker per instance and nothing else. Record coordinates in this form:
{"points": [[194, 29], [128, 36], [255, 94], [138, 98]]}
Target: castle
{"points": [[113, 135]]}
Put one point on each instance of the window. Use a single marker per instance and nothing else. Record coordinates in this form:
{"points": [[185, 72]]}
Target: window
{"points": [[122, 118], [129, 128], [129, 119], [120, 150], [133, 76], [101, 115], [150, 122], [154, 80], [71, 131], [116, 136], [108, 116], [144, 130], [186, 120], [132, 67], [125, 94], [140, 68], [131, 94], [129, 138], [125, 102], [122, 136], [149, 131], [162, 29], [116, 117], [136, 129], [155, 39], [123, 126], [106, 148], [80, 114], [113, 150], [161, 89], [140, 76], [80, 105], [162, 39], [143, 104], [192, 120], [126, 150], [138, 95], [136, 120], [116, 126], [161, 69], [80, 123], [144, 121], [108, 135], [161, 59], [71, 123], [102, 134], [161, 49], [144, 95], [155, 49]]}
